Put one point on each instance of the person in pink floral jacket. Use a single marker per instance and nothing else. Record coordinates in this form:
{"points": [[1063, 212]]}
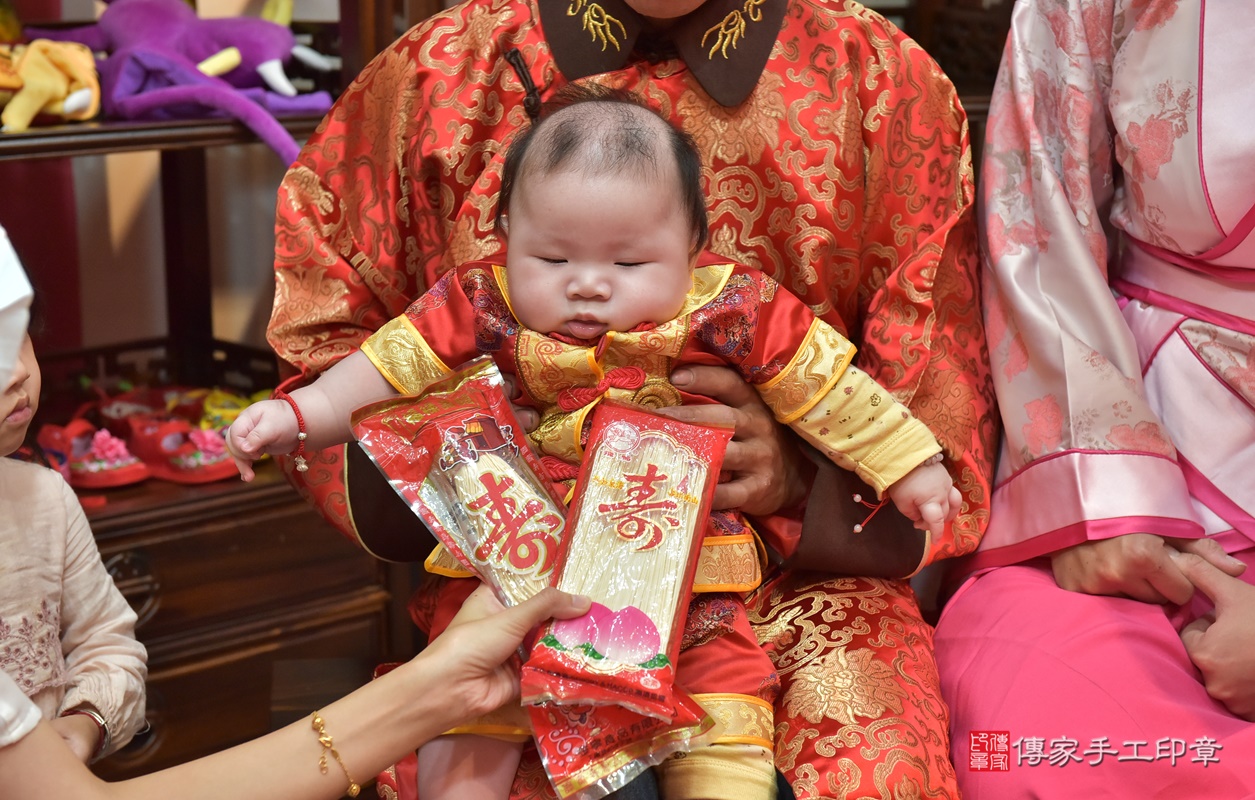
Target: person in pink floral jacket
{"points": [[1103, 635]]}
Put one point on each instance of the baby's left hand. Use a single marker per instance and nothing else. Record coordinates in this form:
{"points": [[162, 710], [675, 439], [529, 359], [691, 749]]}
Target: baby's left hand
{"points": [[927, 496]]}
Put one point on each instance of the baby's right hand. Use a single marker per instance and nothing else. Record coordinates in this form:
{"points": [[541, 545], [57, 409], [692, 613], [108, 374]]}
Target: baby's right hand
{"points": [[266, 428], [927, 496]]}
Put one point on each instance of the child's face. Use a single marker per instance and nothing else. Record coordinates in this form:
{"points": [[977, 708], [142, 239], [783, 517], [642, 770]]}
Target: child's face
{"points": [[20, 400], [586, 255]]}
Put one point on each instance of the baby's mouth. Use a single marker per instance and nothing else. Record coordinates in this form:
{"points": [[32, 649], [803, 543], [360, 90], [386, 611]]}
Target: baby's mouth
{"points": [[586, 328]]}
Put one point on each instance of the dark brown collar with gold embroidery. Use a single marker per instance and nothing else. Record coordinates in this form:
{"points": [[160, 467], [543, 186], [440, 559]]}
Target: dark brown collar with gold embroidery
{"points": [[725, 43]]}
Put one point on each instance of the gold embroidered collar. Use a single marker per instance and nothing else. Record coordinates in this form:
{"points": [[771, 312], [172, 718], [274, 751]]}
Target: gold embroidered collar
{"points": [[724, 43]]}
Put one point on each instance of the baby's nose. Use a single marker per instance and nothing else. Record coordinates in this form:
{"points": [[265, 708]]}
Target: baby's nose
{"points": [[589, 284]]}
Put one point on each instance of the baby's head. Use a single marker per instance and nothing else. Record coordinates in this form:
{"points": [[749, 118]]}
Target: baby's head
{"points": [[602, 210]]}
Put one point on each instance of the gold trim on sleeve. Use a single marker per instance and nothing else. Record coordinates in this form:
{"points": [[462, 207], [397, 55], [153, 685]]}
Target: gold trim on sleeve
{"points": [[743, 718], [728, 564], [403, 357], [813, 370]]}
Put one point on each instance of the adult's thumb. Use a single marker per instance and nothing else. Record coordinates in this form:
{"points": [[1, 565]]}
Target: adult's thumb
{"points": [[549, 602]]}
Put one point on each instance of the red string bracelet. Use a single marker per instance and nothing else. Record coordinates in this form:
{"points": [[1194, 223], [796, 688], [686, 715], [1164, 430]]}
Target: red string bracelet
{"points": [[298, 455]]}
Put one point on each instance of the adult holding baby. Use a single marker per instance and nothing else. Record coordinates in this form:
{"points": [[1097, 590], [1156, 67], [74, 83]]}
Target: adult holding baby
{"points": [[836, 160]]}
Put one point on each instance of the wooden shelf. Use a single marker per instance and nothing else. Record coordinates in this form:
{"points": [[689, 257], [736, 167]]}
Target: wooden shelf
{"points": [[99, 138], [153, 502]]}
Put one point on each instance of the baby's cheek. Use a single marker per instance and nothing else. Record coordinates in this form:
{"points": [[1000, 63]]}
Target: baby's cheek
{"points": [[534, 307]]}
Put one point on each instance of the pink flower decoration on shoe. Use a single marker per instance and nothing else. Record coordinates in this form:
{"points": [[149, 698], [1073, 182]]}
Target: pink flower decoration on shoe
{"points": [[110, 449], [209, 442]]}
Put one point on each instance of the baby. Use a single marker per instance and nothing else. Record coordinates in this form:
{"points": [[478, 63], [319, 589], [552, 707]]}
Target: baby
{"points": [[604, 291]]}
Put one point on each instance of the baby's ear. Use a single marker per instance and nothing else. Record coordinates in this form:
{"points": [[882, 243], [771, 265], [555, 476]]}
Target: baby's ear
{"points": [[503, 225]]}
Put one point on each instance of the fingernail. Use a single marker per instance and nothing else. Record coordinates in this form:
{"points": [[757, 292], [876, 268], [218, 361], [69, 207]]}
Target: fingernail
{"points": [[681, 377]]}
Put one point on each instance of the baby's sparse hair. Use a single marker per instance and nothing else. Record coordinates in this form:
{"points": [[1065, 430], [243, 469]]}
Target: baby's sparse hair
{"points": [[613, 133]]}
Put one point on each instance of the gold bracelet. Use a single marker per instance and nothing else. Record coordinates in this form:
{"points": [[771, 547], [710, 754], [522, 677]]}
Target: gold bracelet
{"points": [[324, 739]]}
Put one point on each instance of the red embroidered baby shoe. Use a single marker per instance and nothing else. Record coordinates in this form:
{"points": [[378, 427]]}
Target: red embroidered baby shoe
{"points": [[175, 450], [96, 459]]}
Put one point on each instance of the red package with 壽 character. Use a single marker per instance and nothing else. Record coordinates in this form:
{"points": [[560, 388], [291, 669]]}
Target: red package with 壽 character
{"points": [[633, 534], [456, 454]]}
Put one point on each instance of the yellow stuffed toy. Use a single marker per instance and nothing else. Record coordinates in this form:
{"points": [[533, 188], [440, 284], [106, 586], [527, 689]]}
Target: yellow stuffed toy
{"points": [[50, 78]]}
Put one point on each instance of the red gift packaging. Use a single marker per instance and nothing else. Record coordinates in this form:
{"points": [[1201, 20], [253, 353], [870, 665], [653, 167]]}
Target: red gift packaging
{"points": [[591, 751], [457, 455], [633, 534]]}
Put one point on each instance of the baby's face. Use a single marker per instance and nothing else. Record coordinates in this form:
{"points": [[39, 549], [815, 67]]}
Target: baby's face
{"points": [[586, 255]]}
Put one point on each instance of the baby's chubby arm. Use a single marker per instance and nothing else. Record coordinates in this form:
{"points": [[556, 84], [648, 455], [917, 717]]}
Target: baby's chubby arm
{"points": [[927, 496], [270, 427]]}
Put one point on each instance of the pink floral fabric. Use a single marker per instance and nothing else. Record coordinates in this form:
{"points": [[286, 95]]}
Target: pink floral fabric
{"points": [[1119, 289], [1111, 125]]}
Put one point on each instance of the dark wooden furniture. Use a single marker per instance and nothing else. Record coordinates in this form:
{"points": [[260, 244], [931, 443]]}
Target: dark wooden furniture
{"points": [[253, 609], [966, 37], [239, 588]]}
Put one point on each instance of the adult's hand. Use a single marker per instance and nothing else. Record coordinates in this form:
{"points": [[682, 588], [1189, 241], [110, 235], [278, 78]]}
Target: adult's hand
{"points": [[767, 471], [1136, 565], [1222, 644], [476, 653]]}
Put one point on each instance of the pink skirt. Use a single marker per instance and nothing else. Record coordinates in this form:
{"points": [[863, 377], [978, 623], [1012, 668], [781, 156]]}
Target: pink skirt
{"points": [[1056, 694]]}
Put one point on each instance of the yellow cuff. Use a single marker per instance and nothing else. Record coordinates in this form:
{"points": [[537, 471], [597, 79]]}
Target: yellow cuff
{"points": [[742, 718], [719, 772]]}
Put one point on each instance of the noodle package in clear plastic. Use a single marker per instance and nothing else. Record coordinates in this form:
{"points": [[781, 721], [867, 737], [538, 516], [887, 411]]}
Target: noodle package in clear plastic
{"points": [[633, 535], [458, 457]]}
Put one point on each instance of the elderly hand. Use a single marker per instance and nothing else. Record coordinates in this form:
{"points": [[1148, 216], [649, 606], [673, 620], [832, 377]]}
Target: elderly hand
{"points": [[1136, 565], [767, 471], [1222, 644]]}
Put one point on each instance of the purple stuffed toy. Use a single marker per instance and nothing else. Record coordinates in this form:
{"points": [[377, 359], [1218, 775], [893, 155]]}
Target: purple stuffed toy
{"points": [[153, 70]]}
